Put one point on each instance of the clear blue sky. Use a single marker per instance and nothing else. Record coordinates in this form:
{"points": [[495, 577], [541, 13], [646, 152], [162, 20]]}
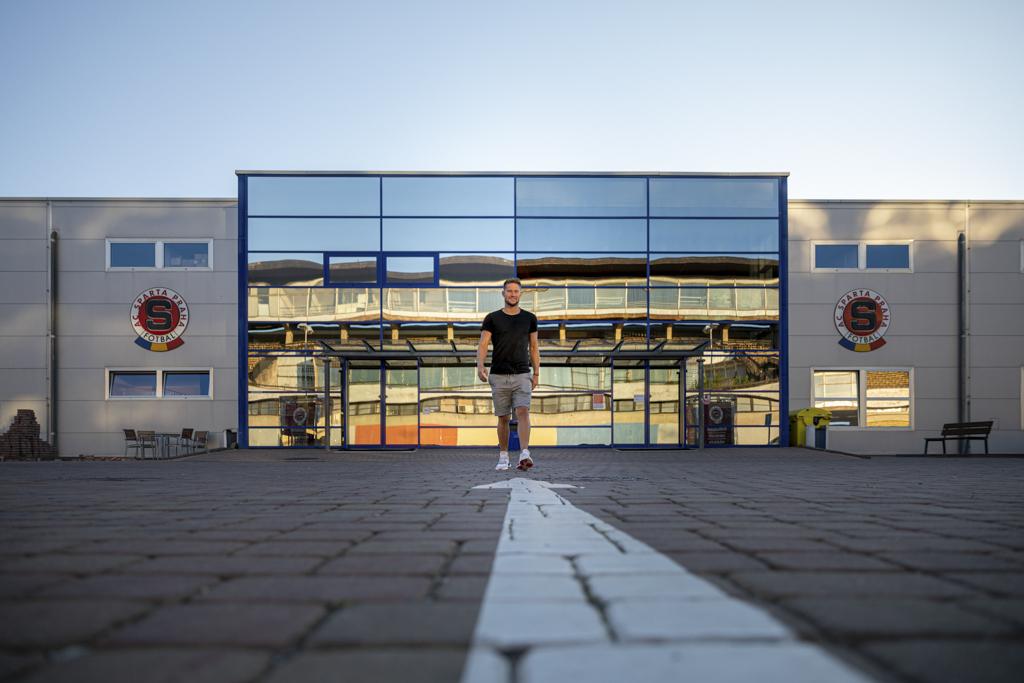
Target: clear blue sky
{"points": [[893, 99]]}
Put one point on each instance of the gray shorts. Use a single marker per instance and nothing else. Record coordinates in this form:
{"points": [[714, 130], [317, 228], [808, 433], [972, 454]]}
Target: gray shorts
{"points": [[510, 391]]}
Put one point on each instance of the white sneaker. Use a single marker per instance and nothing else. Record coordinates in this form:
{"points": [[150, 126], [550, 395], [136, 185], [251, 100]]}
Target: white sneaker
{"points": [[502, 462], [525, 461]]}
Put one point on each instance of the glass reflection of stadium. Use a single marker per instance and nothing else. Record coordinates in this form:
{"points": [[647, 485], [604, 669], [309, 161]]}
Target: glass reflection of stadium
{"points": [[659, 300]]}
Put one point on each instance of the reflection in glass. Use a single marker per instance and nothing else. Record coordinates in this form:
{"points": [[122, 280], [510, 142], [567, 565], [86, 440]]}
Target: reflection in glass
{"points": [[569, 234], [434, 196], [723, 303], [603, 269], [352, 270], [289, 373], [132, 254], [741, 372], [449, 234], [476, 269], [887, 402], [629, 396], [181, 383], [313, 196], [835, 255], [714, 235], [839, 392], [186, 255], [598, 336], [703, 268], [734, 197], [291, 337], [132, 384], [284, 269], [409, 270], [581, 196], [665, 416], [887, 256], [313, 303], [737, 336], [314, 234]]}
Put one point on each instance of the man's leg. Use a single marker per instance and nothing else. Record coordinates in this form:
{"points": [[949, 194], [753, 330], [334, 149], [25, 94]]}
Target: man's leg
{"points": [[523, 417], [503, 430]]}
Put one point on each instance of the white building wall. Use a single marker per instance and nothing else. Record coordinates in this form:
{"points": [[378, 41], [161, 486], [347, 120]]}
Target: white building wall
{"points": [[922, 334], [94, 329], [24, 313]]}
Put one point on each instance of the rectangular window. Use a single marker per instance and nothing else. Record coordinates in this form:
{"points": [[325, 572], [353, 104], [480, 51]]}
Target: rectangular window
{"points": [[179, 383], [723, 234], [569, 234], [313, 196], [475, 269], [410, 270], [877, 398], [186, 384], [449, 234], [313, 234], [836, 256], [159, 254], [357, 269], [733, 197], [132, 254], [132, 384], [286, 269]]}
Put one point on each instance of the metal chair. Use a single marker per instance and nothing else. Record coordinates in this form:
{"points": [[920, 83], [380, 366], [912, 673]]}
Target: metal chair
{"points": [[147, 439], [183, 440], [131, 440], [200, 441]]}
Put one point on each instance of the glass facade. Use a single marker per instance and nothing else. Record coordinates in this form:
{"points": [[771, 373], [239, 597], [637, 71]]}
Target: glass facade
{"points": [[403, 264]]}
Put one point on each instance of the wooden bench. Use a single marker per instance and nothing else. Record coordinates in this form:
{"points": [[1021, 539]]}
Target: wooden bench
{"points": [[961, 431]]}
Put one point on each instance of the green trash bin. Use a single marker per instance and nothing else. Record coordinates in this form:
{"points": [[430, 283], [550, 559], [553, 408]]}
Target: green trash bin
{"points": [[808, 427]]}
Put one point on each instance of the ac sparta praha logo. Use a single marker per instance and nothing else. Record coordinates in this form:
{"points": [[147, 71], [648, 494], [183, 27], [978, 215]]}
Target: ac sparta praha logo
{"points": [[159, 317], [862, 318]]}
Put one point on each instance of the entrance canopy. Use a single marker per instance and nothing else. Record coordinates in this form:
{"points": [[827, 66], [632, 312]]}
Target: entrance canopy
{"points": [[580, 352]]}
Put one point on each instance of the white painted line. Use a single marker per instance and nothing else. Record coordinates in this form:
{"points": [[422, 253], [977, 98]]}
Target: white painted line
{"points": [[581, 600]]}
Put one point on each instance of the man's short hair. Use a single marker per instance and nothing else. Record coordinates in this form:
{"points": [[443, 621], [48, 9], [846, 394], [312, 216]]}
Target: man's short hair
{"points": [[511, 280]]}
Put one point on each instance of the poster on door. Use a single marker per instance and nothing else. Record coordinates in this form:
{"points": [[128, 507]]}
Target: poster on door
{"points": [[718, 423]]}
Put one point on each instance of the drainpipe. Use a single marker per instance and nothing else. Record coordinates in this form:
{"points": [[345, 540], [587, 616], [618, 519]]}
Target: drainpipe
{"points": [[963, 400], [51, 422]]}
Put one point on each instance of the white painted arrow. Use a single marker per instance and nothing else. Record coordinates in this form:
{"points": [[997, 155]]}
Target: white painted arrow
{"points": [[584, 601]]}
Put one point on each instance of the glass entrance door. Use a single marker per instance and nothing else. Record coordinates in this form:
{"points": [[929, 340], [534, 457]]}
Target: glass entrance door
{"points": [[646, 404], [381, 399]]}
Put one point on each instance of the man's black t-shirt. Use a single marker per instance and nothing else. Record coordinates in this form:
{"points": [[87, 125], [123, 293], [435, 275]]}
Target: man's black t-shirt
{"points": [[511, 337]]}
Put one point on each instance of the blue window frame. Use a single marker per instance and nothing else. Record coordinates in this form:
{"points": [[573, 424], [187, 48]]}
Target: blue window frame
{"points": [[352, 269], [410, 269], [836, 256]]}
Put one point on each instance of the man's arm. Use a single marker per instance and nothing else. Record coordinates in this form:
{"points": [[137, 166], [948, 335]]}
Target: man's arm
{"points": [[535, 358], [481, 355]]}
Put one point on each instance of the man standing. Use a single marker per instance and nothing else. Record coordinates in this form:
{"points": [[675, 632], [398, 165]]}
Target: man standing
{"points": [[514, 333]]}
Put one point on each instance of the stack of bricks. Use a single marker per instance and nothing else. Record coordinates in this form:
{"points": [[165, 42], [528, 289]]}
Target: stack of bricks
{"points": [[22, 440]]}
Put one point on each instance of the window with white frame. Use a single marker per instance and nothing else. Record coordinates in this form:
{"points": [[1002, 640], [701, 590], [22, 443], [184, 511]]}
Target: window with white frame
{"points": [[873, 398], [857, 256], [169, 254], [177, 383]]}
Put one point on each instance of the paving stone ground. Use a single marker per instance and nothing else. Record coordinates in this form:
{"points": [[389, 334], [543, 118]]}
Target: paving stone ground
{"points": [[253, 566]]}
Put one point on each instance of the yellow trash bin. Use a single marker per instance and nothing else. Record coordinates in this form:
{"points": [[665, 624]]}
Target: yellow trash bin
{"points": [[808, 427]]}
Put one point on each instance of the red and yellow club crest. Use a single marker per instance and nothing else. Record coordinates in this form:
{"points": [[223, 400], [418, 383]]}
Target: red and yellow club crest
{"points": [[862, 318], [159, 316]]}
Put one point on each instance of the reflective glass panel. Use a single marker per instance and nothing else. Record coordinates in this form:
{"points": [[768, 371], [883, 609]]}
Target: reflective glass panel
{"points": [[887, 256], [132, 254], [291, 337], [835, 255], [288, 373], [409, 270], [557, 303], [459, 436], [714, 235], [186, 255], [466, 196], [309, 304], [888, 398], [284, 269], [738, 336], [698, 268], [735, 197], [351, 270], [743, 372], [314, 234], [476, 269], [313, 196], [552, 409], [835, 384], [569, 234], [186, 383], [133, 384], [598, 269], [581, 196], [449, 234], [844, 413]]}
